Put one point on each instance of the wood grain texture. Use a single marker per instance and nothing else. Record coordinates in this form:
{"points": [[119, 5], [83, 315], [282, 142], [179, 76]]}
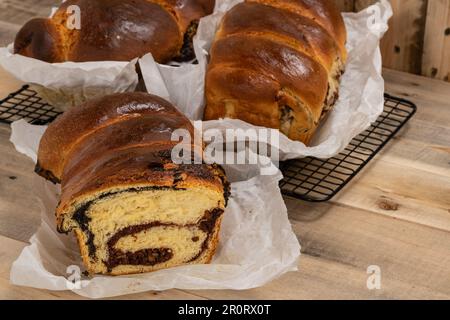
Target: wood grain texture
{"points": [[10, 84], [395, 214], [436, 53], [9, 250], [14, 13], [402, 46], [346, 5], [419, 37]]}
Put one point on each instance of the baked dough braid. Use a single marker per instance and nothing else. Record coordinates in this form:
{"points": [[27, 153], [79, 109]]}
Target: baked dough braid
{"points": [[277, 64], [115, 30], [131, 207]]}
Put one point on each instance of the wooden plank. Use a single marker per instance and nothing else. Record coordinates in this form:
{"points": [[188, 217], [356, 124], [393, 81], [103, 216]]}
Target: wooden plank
{"points": [[419, 180], [445, 64], [20, 11], [317, 278], [8, 32], [418, 155], [336, 256], [403, 44], [12, 161], [15, 13], [340, 243], [8, 83], [409, 194], [436, 53], [424, 153], [19, 209], [362, 4], [431, 96], [10, 250], [345, 5], [359, 238]]}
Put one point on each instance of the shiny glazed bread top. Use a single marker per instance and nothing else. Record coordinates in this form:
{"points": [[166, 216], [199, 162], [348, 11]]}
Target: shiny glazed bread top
{"points": [[112, 30], [277, 64], [110, 122]]}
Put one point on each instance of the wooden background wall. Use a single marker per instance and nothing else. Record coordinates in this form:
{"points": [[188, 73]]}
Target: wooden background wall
{"points": [[418, 40], [419, 37]]}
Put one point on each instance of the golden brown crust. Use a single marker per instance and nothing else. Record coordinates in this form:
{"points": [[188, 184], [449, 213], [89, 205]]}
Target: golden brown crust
{"points": [[214, 242], [84, 250], [119, 146], [283, 26], [273, 64], [112, 30], [38, 38], [324, 12], [190, 10], [134, 173], [121, 140], [79, 124], [292, 68]]}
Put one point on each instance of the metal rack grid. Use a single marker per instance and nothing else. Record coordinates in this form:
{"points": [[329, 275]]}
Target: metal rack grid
{"points": [[317, 180], [308, 179], [26, 104]]}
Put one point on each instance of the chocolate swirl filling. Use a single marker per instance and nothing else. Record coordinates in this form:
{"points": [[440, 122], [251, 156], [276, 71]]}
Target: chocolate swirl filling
{"points": [[154, 256], [149, 256]]}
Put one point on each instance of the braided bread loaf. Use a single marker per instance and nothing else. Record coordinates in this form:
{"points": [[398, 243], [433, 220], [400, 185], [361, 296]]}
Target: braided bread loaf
{"points": [[277, 64], [132, 209], [115, 30]]}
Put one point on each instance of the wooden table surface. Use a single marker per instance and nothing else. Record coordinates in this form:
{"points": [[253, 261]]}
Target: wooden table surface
{"points": [[395, 214]]}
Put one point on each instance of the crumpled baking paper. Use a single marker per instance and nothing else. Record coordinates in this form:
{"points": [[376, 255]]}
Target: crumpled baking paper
{"points": [[68, 84], [256, 245], [361, 99]]}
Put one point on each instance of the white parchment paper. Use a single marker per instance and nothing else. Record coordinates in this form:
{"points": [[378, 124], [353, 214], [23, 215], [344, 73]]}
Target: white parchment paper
{"points": [[361, 94], [69, 84], [257, 243]]}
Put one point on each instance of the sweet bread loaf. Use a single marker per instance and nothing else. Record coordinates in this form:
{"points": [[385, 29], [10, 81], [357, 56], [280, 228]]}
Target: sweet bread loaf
{"points": [[114, 30], [277, 64], [132, 209]]}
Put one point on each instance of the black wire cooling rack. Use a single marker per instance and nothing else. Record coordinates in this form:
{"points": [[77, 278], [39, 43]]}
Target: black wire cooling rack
{"points": [[308, 179], [26, 104], [316, 180]]}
